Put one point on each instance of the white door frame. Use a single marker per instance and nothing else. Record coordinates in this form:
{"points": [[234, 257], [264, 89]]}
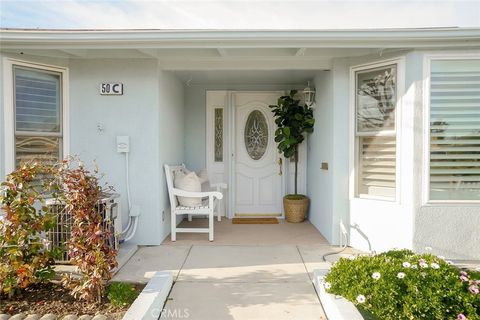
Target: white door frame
{"points": [[232, 132], [230, 144]]}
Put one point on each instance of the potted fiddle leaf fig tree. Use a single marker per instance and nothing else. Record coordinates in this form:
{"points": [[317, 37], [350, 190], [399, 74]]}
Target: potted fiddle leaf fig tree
{"points": [[294, 120]]}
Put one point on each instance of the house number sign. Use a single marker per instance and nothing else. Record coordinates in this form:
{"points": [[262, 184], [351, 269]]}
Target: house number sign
{"points": [[113, 88]]}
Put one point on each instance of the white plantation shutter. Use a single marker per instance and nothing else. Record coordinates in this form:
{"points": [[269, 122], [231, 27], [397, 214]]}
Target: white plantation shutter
{"points": [[455, 130], [377, 162], [37, 99], [376, 149]]}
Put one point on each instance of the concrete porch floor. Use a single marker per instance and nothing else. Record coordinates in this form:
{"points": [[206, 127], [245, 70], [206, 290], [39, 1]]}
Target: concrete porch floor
{"points": [[227, 233], [248, 272]]}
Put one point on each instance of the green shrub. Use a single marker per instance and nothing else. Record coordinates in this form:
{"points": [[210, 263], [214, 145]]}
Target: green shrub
{"points": [[24, 257], [121, 293], [400, 284]]}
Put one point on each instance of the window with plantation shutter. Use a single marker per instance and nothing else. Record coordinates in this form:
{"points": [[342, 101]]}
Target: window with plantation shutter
{"points": [[375, 116], [38, 115], [455, 129]]}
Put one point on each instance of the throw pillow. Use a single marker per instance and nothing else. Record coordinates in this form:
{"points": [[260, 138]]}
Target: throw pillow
{"points": [[188, 182], [203, 175]]}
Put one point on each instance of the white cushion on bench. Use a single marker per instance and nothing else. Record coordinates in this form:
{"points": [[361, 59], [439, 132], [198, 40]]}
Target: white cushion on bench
{"points": [[188, 182]]}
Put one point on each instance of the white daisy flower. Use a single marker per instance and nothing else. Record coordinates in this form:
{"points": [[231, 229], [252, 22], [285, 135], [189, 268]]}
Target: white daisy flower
{"points": [[434, 265], [450, 262], [361, 298], [441, 257], [376, 275], [400, 275], [414, 266], [47, 244], [327, 285], [423, 265], [406, 264]]}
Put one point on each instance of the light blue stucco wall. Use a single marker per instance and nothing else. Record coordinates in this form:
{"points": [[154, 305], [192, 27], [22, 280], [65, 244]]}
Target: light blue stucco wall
{"points": [[328, 189], [134, 114], [320, 149], [150, 112], [171, 137], [341, 136]]}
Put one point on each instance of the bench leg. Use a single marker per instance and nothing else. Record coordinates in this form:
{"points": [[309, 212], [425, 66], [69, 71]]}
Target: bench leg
{"points": [[210, 226], [219, 210], [173, 233], [189, 218]]}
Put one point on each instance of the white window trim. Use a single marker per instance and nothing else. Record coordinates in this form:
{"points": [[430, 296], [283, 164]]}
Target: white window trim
{"points": [[8, 105], [427, 60], [400, 63]]}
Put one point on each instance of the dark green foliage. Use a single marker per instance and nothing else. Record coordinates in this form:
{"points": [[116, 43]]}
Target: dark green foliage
{"points": [[409, 286], [293, 121], [25, 258]]}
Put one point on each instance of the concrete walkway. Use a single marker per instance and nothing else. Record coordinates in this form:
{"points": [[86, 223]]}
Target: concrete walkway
{"points": [[221, 280]]}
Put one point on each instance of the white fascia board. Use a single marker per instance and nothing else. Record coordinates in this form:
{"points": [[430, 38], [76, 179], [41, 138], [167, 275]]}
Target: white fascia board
{"points": [[123, 39]]}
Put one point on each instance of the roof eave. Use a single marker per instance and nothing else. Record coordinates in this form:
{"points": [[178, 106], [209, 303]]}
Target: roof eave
{"points": [[121, 39]]}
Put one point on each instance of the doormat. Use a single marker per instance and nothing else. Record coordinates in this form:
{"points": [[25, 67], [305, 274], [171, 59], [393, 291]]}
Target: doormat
{"points": [[255, 221]]}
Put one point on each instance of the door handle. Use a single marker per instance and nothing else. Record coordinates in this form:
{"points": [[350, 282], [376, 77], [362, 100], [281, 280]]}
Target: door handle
{"points": [[280, 162]]}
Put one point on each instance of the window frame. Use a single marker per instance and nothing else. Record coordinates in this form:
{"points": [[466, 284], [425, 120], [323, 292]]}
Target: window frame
{"points": [[9, 65], [355, 136], [427, 62]]}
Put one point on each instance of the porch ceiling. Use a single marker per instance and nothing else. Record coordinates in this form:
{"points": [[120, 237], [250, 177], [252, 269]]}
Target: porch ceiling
{"points": [[250, 77], [211, 58]]}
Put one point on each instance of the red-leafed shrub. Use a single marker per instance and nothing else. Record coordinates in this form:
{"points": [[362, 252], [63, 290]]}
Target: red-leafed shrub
{"points": [[87, 248]]}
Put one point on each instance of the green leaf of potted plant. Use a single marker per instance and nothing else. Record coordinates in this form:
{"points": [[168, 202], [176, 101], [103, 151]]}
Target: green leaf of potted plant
{"points": [[293, 121]]}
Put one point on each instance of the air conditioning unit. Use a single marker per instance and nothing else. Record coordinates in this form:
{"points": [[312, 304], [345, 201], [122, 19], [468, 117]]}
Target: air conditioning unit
{"points": [[107, 207]]}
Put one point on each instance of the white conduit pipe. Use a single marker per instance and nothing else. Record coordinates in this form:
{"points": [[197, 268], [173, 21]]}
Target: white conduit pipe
{"points": [[130, 236], [127, 178], [127, 174], [130, 218]]}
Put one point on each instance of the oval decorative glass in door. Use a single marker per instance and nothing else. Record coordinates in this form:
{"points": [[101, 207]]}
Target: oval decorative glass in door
{"points": [[256, 135]]}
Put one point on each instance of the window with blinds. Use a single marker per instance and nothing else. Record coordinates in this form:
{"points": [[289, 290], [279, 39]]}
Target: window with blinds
{"points": [[38, 115], [375, 108], [455, 130]]}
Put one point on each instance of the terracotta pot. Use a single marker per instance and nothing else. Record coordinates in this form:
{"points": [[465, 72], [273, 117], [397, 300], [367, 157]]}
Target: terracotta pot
{"points": [[295, 207]]}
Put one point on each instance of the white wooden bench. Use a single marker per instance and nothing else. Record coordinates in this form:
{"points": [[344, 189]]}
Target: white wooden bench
{"points": [[210, 201]]}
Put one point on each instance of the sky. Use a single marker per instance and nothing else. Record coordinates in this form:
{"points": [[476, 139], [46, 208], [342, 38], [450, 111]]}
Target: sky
{"points": [[234, 14]]}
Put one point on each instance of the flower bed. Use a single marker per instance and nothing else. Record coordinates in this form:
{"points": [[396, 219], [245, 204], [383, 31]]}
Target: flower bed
{"points": [[28, 281], [56, 299], [400, 284]]}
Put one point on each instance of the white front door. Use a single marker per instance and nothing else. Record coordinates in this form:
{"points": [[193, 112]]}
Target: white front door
{"points": [[258, 168]]}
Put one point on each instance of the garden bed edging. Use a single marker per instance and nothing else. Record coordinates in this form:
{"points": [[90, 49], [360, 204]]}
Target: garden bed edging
{"points": [[149, 303], [335, 307]]}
